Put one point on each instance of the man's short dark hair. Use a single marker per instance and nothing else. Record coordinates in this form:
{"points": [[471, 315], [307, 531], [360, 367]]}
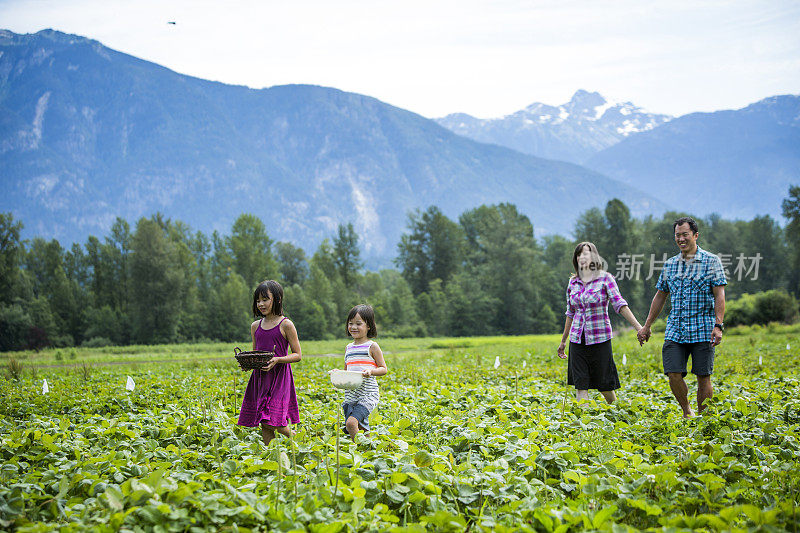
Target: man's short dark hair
{"points": [[686, 220]]}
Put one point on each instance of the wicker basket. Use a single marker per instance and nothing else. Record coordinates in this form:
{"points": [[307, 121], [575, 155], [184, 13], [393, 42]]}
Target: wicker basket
{"points": [[253, 359]]}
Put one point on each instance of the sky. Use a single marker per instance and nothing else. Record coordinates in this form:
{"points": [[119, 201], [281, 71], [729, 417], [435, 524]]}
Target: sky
{"points": [[435, 57]]}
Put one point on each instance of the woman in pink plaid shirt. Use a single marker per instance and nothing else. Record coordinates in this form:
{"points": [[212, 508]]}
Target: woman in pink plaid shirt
{"points": [[591, 361]]}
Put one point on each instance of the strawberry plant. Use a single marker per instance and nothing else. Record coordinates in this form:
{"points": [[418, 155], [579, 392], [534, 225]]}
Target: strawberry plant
{"points": [[457, 444]]}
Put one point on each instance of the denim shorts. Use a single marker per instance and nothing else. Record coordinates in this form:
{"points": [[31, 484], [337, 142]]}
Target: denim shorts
{"points": [[675, 355], [357, 411]]}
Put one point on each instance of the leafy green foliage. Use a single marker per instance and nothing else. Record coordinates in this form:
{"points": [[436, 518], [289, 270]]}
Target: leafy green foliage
{"points": [[250, 250], [790, 207], [11, 251], [761, 308], [456, 444], [157, 283], [483, 275], [432, 249], [346, 254]]}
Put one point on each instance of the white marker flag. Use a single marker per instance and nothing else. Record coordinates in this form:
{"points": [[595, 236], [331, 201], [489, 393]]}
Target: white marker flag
{"points": [[624, 359], [759, 359], [130, 383], [497, 361], [524, 364], [788, 347], [45, 388]]}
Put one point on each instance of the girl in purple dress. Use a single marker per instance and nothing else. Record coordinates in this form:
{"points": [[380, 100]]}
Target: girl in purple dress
{"points": [[270, 400]]}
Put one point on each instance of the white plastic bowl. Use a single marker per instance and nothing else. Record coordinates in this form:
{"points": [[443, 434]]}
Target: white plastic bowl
{"points": [[346, 379]]}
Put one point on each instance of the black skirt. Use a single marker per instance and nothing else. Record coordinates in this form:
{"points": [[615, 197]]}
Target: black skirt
{"points": [[591, 366]]}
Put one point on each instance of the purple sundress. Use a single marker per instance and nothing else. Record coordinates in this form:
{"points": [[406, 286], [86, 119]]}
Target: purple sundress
{"points": [[270, 396]]}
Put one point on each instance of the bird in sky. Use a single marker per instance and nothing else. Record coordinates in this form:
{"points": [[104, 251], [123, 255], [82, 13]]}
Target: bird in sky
{"points": [[171, 22]]}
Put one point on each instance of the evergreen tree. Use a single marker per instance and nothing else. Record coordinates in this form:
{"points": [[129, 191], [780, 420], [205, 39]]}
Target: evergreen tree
{"points": [[622, 251], [591, 226], [323, 259], [78, 279], [76, 266], [369, 285], [107, 264], [200, 248], [156, 281], [293, 264], [15, 327], [758, 263], [42, 261], [485, 274], [398, 312], [45, 264], [347, 255], [432, 250], [470, 307], [555, 274], [115, 253], [503, 256], [250, 250], [306, 313], [192, 310], [11, 250], [791, 211], [44, 332], [432, 306], [107, 323], [658, 244], [326, 290], [221, 262], [230, 313]]}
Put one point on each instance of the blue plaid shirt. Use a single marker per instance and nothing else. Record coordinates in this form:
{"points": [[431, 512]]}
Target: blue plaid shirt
{"points": [[689, 285]]}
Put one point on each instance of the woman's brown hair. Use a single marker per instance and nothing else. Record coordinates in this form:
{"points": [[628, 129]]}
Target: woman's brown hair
{"points": [[596, 262]]}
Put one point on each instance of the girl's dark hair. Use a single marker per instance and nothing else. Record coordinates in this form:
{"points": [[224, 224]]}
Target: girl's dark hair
{"points": [[264, 289], [596, 263], [367, 315]]}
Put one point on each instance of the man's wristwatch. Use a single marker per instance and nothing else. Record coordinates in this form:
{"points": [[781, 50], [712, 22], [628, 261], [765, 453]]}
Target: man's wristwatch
{"points": [[720, 326]]}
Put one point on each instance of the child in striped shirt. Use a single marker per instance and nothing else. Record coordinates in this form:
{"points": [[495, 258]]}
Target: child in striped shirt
{"points": [[362, 355]]}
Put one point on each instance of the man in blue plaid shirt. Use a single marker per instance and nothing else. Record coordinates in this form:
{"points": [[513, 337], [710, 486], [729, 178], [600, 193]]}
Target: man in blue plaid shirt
{"points": [[695, 282]]}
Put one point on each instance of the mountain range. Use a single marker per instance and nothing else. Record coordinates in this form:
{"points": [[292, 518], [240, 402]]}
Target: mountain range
{"points": [[574, 131], [88, 134], [736, 163], [739, 163]]}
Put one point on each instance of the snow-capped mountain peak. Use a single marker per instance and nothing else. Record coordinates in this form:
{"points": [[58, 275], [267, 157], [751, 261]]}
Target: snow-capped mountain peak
{"points": [[573, 131]]}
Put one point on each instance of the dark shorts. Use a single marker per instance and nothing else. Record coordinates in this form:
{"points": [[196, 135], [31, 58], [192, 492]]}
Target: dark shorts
{"points": [[675, 355], [357, 411], [591, 366]]}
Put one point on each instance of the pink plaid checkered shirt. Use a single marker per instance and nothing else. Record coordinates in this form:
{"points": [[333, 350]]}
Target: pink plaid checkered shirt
{"points": [[587, 304]]}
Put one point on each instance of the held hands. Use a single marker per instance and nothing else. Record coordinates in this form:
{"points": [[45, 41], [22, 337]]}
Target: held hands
{"points": [[561, 353], [643, 335]]}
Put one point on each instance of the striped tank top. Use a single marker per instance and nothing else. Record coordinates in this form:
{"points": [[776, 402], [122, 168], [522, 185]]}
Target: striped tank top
{"points": [[357, 357]]}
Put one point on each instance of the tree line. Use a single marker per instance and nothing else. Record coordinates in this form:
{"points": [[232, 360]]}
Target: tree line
{"points": [[485, 273]]}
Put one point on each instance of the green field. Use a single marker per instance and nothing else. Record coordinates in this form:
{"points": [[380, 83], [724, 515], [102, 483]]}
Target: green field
{"points": [[456, 445]]}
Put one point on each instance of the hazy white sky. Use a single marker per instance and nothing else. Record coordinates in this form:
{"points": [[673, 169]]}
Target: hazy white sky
{"points": [[487, 58]]}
